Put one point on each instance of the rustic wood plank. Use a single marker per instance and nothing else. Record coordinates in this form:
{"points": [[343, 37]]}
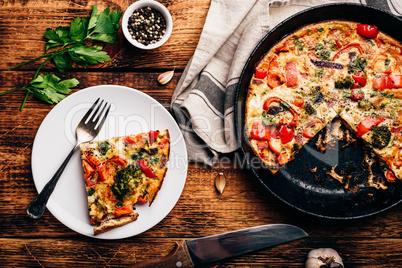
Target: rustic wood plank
{"points": [[90, 253], [23, 25]]}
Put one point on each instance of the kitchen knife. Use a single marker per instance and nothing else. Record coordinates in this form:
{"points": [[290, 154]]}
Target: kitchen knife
{"points": [[201, 251]]}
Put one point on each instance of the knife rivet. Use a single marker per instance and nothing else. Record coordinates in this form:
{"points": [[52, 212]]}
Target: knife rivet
{"points": [[179, 264]]}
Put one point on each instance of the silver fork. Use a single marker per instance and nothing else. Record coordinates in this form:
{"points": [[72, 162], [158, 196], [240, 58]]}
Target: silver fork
{"points": [[86, 131]]}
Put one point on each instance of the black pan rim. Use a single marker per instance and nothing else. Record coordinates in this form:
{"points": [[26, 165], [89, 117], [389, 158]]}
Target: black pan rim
{"points": [[238, 128]]}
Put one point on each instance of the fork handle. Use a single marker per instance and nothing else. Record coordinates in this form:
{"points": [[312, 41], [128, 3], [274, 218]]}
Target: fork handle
{"points": [[36, 208]]}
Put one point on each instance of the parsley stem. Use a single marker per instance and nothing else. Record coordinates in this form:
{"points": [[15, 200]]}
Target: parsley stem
{"points": [[10, 90], [35, 59], [23, 102]]}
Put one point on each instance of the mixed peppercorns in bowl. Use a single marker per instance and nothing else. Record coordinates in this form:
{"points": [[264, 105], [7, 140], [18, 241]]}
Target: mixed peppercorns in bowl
{"points": [[147, 24]]}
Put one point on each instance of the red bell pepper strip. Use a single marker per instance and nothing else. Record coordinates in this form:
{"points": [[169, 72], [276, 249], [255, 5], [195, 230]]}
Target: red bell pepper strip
{"points": [[286, 133], [307, 128], [92, 159], [102, 172], [88, 169], [118, 160], [274, 79], [270, 100], [152, 136], [145, 169], [390, 176], [260, 73], [291, 74], [259, 131], [343, 50], [284, 47], [120, 211], [90, 183], [275, 145], [367, 124], [396, 130], [367, 30]]}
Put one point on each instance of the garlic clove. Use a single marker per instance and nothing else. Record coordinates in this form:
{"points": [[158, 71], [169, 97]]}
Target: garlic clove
{"points": [[165, 77], [220, 182], [324, 257]]}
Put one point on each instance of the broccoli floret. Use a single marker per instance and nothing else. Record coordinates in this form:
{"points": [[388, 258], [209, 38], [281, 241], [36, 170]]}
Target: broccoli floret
{"points": [[381, 137], [364, 104], [344, 83]]}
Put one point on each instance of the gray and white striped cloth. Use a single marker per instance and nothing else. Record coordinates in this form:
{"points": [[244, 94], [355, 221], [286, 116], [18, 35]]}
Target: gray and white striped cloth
{"points": [[203, 101]]}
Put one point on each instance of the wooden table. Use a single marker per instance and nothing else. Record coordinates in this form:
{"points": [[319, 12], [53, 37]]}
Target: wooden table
{"points": [[201, 210]]}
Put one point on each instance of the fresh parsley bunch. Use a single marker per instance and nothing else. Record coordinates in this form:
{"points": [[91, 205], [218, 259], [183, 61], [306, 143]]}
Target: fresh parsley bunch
{"points": [[67, 46]]}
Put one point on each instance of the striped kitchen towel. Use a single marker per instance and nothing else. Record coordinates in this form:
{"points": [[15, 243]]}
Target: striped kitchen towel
{"points": [[203, 101]]}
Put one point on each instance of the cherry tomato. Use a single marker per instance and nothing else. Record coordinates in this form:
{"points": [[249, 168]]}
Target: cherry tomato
{"points": [[291, 74], [130, 139], [387, 82], [118, 160], [260, 73], [359, 79], [395, 81], [102, 172], [259, 131], [88, 169], [367, 124], [367, 30], [357, 95], [142, 199], [286, 133], [126, 210]]}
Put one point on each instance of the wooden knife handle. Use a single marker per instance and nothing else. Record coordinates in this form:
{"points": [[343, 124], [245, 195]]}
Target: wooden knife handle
{"points": [[179, 257]]}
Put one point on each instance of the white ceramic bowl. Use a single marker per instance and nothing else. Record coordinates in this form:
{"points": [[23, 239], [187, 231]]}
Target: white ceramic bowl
{"points": [[155, 5]]}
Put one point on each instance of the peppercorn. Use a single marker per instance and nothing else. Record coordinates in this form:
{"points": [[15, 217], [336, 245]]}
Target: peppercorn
{"points": [[146, 25]]}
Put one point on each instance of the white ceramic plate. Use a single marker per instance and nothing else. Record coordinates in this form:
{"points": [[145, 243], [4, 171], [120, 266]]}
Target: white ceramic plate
{"points": [[132, 112]]}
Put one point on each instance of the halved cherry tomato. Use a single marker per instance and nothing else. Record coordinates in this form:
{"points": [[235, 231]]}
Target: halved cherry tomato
{"points": [[367, 30], [126, 210], [357, 95], [102, 172], [90, 183], [152, 136], [286, 133], [259, 131], [130, 139], [390, 176], [142, 199], [346, 48], [359, 79], [298, 101], [163, 143], [145, 169], [88, 169], [309, 128], [367, 124], [92, 159], [260, 73], [291, 74], [396, 130], [275, 145], [387, 82], [283, 158], [118, 160]]}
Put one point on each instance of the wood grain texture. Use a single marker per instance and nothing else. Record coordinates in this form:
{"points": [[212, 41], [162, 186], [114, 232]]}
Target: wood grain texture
{"points": [[201, 210]]}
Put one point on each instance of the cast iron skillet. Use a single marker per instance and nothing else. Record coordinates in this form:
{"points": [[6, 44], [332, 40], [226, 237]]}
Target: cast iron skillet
{"points": [[295, 184]]}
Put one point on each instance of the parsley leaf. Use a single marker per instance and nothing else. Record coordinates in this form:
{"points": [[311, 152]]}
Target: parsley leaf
{"points": [[49, 88], [69, 46]]}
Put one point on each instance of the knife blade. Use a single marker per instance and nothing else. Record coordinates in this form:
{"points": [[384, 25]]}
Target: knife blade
{"points": [[204, 250]]}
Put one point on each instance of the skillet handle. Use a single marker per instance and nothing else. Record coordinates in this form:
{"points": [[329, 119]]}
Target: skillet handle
{"points": [[179, 257]]}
